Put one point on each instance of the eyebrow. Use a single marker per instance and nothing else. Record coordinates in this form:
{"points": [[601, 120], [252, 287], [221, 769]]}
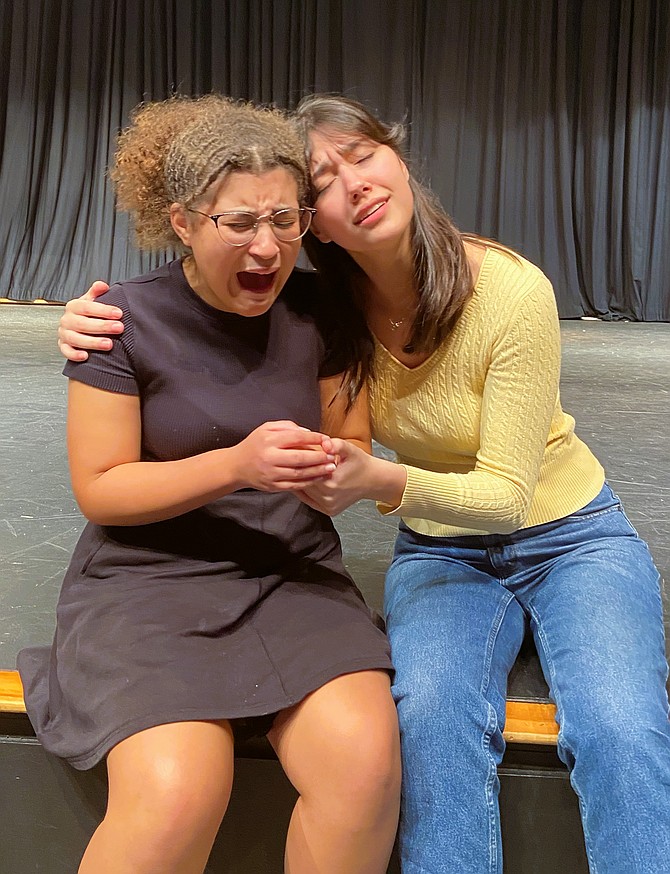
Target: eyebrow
{"points": [[346, 150], [248, 211]]}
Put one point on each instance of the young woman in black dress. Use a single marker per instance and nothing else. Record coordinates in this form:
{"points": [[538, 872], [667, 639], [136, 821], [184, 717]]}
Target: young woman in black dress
{"points": [[203, 597]]}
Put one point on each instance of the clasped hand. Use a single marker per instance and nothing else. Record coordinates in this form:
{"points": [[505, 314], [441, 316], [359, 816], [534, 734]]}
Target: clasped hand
{"points": [[283, 456], [346, 484]]}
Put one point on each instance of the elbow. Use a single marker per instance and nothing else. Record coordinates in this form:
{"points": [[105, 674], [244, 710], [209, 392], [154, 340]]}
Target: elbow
{"points": [[108, 514], [96, 512], [89, 511], [98, 516], [110, 520], [90, 499], [504, 496], [517, 509], [102, 504]]}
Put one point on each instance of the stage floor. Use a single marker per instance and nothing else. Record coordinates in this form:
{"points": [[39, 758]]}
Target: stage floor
{"points": [[615, 381]]}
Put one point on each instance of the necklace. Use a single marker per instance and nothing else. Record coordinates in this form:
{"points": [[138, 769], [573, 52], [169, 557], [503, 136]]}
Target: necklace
{"points": [[396, 325]]}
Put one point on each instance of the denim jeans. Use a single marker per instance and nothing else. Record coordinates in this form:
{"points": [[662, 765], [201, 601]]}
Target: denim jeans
{"points": [[456, 610]]}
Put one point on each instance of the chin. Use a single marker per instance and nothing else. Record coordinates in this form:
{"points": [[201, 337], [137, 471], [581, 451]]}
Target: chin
{"points": [[256, 308]]}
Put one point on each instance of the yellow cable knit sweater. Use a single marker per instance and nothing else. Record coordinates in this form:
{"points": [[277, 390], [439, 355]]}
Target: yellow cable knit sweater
{"points": [[479, 425]]}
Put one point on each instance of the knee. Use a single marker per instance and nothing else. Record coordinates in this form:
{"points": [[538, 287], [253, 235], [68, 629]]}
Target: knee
{"points": [[616, 742], [372, 755], [434, 702], [169, 800], [365, 770]]}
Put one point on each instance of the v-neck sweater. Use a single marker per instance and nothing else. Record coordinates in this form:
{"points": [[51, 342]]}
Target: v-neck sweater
{"points": [[479, 425]]}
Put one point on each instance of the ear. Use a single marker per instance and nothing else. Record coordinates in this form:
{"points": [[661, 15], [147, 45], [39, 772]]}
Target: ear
{"points": [[405, 168], [180, 224]]}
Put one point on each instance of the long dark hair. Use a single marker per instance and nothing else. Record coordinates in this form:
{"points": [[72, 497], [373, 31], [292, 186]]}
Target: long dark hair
{"points": [[442, 277]]}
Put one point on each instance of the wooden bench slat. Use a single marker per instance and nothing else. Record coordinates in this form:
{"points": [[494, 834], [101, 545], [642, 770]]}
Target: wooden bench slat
{"points": [[11, 693], [530, 722], [527, 721]]}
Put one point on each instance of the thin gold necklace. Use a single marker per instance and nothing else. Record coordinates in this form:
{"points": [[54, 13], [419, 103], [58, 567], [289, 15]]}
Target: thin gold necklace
{"points": [[395, 325]]}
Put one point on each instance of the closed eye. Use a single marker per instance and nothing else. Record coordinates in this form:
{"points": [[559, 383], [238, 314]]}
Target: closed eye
{"points": [[242, 227], [319, 191], [284, 223]]}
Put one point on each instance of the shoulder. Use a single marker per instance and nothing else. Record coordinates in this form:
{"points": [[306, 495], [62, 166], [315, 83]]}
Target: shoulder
{"points": [[513, 302], [140, 289], [302, 292], [507, 280], [502, 265], [312, 306]]}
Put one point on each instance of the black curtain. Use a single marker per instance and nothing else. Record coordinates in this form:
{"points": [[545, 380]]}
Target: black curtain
{"points": [[542, 123]]}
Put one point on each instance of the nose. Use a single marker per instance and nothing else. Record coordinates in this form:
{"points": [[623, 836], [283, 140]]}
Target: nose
{"points": [[264, 244], [354, 184]]}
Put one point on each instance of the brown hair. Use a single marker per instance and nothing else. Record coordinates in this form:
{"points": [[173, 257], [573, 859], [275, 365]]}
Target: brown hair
{"points": [[172, 151], [441, 274]]}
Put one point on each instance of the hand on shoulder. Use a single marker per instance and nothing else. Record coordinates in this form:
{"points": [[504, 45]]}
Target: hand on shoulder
{"points": [[84, 320]]}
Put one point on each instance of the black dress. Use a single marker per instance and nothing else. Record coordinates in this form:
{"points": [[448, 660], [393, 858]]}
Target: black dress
{"points": [[239, 608]]}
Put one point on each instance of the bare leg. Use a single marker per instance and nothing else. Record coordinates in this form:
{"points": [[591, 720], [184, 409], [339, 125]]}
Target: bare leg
{"points": [[340, 749], [169, 787]]}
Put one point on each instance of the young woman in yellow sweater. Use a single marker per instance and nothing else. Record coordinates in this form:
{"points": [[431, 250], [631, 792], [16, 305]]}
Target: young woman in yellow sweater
{"points": [[505, 517]]}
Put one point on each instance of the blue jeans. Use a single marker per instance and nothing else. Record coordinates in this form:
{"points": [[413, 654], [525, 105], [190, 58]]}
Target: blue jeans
{"points": [[456, 609]]}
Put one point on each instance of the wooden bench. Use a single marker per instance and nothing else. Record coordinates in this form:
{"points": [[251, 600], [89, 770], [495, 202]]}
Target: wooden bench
{"points": [[527, 722], [52, 809]]}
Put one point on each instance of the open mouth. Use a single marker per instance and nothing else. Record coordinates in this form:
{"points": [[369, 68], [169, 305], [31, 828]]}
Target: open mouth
{"points": [[258, 282]]}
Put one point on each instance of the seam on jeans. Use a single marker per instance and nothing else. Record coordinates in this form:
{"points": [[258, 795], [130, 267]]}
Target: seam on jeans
{"points": [[593, 868], [490, 782], [491, 725]]}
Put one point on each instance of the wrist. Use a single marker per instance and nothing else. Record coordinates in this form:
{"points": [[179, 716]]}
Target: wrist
{"points": [[229, 461], [390, 482]]}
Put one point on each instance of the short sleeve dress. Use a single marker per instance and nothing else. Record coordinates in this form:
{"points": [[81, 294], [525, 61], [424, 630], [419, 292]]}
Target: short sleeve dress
{"points": [[234, 610]]}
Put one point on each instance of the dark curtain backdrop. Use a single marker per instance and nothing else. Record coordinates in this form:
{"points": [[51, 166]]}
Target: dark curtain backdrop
{"points": [[543, 123]]}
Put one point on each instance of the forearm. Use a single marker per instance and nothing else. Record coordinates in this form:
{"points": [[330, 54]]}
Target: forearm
{"points": [[141, 492], [482, 500]]}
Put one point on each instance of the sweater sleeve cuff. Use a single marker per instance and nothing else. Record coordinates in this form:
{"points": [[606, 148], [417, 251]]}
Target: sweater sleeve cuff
{"points": [[401, 509], [427, 493]]}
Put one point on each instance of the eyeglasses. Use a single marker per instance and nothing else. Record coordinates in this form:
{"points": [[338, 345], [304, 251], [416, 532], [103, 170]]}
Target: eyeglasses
{"points": [[239, 228]]}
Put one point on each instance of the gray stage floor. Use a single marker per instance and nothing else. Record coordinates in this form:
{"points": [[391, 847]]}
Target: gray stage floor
{"points": [[616, 382]]}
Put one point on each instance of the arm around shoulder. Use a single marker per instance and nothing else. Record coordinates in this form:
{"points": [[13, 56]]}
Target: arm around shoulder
{"points": [[84, 320]]}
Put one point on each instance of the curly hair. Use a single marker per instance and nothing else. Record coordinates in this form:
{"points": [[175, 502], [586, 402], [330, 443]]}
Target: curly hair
{"points": [[174, 150]]}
